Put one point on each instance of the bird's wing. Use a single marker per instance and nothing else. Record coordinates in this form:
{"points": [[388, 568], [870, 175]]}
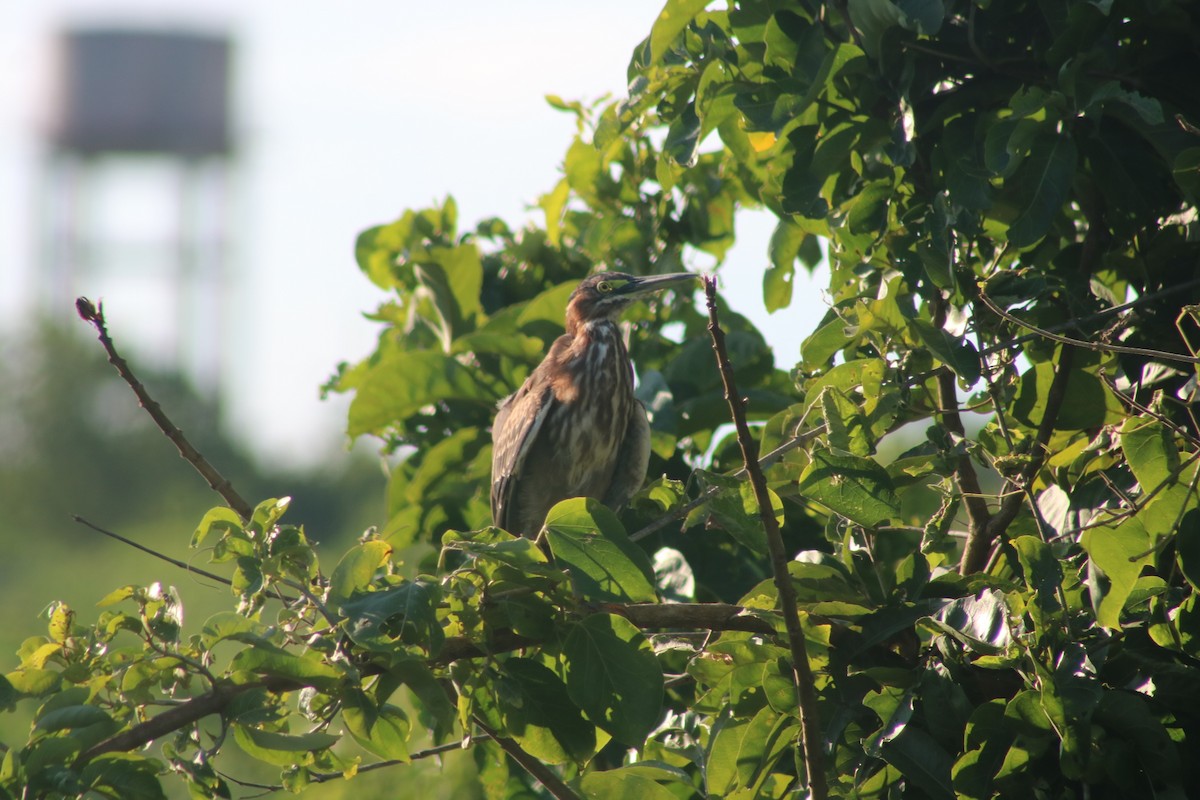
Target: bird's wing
{"points": [[632, 459], [516, 428]]}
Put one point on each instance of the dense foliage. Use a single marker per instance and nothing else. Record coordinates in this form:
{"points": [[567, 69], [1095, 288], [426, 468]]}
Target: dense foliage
{"points": [[1006, 193]]}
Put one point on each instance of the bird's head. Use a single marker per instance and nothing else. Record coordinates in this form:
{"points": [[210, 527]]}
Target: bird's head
{"points": [[605, 295]]}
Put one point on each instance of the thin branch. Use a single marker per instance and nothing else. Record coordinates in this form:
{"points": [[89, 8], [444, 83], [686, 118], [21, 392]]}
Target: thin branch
{"points": [[542, 773], [1095, 317], [1149, 412], [814, 759], [1161, 355], [161, 556], [219, 484], [975, 554]]}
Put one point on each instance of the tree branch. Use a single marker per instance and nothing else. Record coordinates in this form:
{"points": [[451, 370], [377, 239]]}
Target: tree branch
{"points": [[161, 556], [1161, 355], [978, 514], [218, 483], [975, 554], [810, 723], [542, 773]]}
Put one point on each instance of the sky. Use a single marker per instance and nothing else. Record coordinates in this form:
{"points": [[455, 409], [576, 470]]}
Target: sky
{"points": [[343, 120]]}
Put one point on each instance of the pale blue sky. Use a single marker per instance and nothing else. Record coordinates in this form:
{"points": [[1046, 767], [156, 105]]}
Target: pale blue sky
{"points": [[345, 119]]}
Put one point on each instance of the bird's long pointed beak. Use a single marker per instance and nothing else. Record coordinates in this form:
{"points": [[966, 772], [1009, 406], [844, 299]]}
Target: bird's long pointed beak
{"points": [[655, 283]]}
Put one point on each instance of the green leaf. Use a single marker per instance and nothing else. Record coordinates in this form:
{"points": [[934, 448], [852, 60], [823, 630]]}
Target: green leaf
{"points": [[272, 662], [70, 717], [281, 749], [354, 572], [613, 676], [1089, 402], [1119, 554], [403, 616], [683, 137], [671, 21], [783, 249], [1043, 572], [953, 351], [855, 487], [1149, 451], [125, 775], [539, 714], [219, 519], [869, 208], [381, 729], [117, 596], [622, 783], [587, 539], [404, 382], [922, 761], [1043, 184]]}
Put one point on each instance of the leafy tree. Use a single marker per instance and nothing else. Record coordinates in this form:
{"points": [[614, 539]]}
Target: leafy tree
{"points": [[1006, 193]]}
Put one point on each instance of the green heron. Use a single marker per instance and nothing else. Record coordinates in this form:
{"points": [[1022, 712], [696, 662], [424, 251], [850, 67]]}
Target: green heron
{"points": [[574, 428]]}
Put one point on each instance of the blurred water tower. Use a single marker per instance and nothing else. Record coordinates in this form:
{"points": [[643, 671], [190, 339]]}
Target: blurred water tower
{"points": [[136, 191]]}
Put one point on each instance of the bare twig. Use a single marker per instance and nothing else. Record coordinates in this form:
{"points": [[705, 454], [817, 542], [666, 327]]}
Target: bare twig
{"points": [[161, 556], [1097, 316], [1098, 347], [810, 723], [219, 484]]}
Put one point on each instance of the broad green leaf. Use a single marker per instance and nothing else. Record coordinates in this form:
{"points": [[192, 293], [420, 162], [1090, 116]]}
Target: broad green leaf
{"points": [[1118, 554], [117, 596], [921, 760], [281, 749], [613, 676], [308, 669], [381, 729], [126, 775], [354, 572], [623, 783], [539, 714], [1089, 402], [70, 717], [980, 622], [868, 210], [674, 17], [953, 351], [220, 519], [1043, 572], [587, 539], [404, 382], [455, 276], [855, 487], [1042, 185], [34, 681], [229, 625], [1149, 451], [683, 137], [403, 616], [783, 249]]}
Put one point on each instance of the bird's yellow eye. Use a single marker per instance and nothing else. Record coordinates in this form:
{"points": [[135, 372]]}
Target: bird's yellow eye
{"points": [[604, 286]]}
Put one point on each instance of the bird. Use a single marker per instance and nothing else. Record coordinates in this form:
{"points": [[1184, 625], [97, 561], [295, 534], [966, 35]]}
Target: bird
{"points": [[575, 428]]}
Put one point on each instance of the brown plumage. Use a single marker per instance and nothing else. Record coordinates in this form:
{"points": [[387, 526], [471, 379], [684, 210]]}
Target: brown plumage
{"points": [[574, 428]]}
